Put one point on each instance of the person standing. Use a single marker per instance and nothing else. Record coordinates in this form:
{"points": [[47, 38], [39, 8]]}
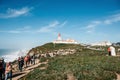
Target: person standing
{"points": [[109, 51], [112, 49]]}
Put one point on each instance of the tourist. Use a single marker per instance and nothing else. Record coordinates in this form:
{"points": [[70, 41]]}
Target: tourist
{"points": [[4, 65], [29, 59], [109, 51], [26, 61], [1, 69], [19, 64], [8, 71], [112, 49], [33, 59], [22, 63]]}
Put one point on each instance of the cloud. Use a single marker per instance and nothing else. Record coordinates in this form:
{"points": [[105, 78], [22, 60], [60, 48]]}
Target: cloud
{"points": [[91, 27], [11, 13], [52, 26], [25, 29], [63, 24], [112, 19], [49, 27], [14, 31], [10, 31]]}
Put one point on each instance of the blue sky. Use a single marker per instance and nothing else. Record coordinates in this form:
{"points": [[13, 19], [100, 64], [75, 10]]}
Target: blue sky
{"points": [[30, 23]]}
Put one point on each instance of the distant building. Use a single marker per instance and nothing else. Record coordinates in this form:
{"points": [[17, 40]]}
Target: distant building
{"points": [[103, 43], [68, 41]]}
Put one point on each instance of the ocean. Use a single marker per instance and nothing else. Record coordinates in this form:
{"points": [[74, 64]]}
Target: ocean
{"points": [[10, 55]]}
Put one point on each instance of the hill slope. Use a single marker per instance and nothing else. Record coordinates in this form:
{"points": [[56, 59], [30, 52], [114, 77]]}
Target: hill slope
{"points": [[85, 64], [51, 47]]}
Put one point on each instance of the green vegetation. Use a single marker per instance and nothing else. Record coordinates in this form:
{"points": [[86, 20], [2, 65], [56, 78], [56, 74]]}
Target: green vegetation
{"points": [[51, 47], [83, 65]]}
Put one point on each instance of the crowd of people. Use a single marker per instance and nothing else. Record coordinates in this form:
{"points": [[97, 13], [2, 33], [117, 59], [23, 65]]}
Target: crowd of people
{"points": [[5, 70], [26, 61], [6, 67]]}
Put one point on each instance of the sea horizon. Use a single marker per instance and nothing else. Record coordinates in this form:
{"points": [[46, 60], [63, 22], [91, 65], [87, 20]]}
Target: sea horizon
{"points": [[10, 55]]}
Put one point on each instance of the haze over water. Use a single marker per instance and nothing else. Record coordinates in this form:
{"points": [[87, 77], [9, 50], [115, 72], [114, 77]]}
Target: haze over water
{"points": [[11, 54]]}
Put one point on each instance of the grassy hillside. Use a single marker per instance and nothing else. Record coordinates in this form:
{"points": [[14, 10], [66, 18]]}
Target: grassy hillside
{"points": [[51, 47], [83, 65]]}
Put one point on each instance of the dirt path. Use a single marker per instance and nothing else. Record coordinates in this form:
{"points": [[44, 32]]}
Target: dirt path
{"points": [[18, 75], [118, 76]]}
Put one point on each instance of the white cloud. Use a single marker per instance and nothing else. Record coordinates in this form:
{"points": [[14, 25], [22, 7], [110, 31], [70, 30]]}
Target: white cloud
{"points": [[91, 27], [112, 19], [109, 20], [63, 24], [25, 29], [10, 31], [96, 22], [52, 26], [14, 31], [90, 31], [49, 27], [11, 13]]}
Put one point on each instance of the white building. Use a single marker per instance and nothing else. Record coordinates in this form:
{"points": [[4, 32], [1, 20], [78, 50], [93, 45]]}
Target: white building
{"points": [[68, 41], [103, 43]]}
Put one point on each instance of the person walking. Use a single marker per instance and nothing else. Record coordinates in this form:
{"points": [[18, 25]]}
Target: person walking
{"points": [[1, 69], [4, 65], [19, 63], [8, 71], [33, 59], [26, 61], [29, 59]]}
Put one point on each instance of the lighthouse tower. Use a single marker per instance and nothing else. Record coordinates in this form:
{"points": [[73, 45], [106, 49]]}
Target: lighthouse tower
{"points": [[59, 37], [68, 41]]}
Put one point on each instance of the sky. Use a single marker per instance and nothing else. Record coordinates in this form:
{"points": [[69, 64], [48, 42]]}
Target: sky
{"points": [[31, 23]]}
